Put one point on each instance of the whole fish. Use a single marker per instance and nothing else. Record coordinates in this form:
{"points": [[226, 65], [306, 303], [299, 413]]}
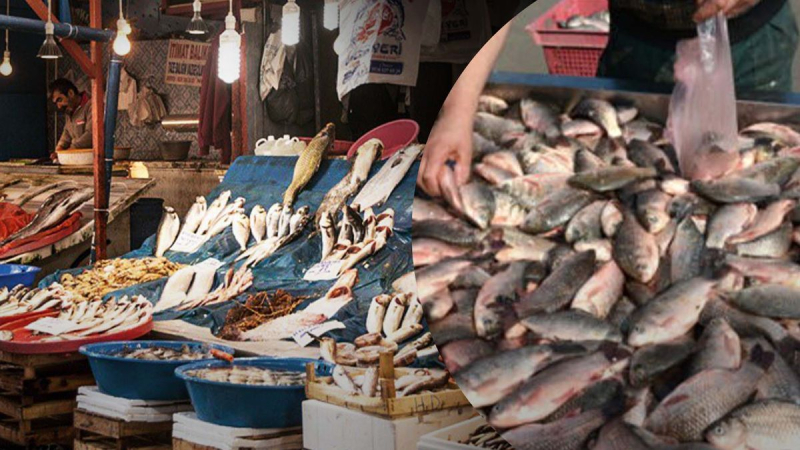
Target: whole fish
{"points": [[556, 210], [530, 190], [644, 154], [601, 292], [53, 211], [308, 163], [782, 133], [28, 196], [735, 190], [378, 189], [766, 221], [635, 250], [449, 231], [539, 117], [749, 325], [494, 128], [729, 221], [769, 424], [652, 209], [686, 251], [167, 231], [546, 391], [671, 314], [719, 347], [431, 251], [571, 325], [258, 223], [479, 204], [427, 210], [519, 246], [560, 287], [586, 224], [698, 402], [766, 271], [504, 286], [229, 209], [488, 380], [648, 363], [241, 230], [285, 221], [595, 396], [213, 212], [195, 215], [432, 279], [299, 219], [611, 178], [504, 160], [570, 433], [772, 245], [600, 112], [328, 232], [357, 175], [274, 220], [768, 300]]}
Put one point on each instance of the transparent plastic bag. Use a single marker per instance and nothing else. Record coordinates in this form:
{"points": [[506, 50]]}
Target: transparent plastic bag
{"points": [[702, 112]]}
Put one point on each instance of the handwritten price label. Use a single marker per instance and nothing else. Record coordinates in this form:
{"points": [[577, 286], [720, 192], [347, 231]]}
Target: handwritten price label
{"points": [[187, 242], [324, 271]]}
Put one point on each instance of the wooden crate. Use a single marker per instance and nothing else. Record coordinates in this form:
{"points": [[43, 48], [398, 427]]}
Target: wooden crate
{"points": [[37, 397], [388, 405], [190, 433], [96, 432]]}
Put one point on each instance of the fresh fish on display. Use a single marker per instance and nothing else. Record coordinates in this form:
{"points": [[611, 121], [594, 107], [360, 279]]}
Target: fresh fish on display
{"points": [[328, 232], [28, 196], [355, 178], [299, 219], [285, 221], [168, 231], [274, 220], [175, 290], [53, 211], [308, 163], [230, 208], [195, 215], [258, 223], [378, 189], [214, 210], [241, 230]]}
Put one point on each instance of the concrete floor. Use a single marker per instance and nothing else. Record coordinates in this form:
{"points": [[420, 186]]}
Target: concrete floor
{"points": [[522, 55]]}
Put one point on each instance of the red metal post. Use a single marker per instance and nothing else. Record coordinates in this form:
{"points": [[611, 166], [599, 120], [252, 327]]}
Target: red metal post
{"points": [[101, 196]]}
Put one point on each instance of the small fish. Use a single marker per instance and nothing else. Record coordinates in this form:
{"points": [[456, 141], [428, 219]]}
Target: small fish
{"points": [[195, 215], [299, 220], [241, 230], [600, 112], [635, 250], [686, 251], [729, 221], [274, 220], [343, 380], [611, 178], [285, 221], [586, 224], [167, 231], [644, 154], [258, 223], [611, 218]]}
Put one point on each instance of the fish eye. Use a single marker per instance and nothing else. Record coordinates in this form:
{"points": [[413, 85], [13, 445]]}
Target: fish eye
{"points": [[719, 430], [638, 329]]}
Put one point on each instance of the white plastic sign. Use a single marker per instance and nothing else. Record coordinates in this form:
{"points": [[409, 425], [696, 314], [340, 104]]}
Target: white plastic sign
{"points": [[52, 325], [187, 242], [305, 336]]}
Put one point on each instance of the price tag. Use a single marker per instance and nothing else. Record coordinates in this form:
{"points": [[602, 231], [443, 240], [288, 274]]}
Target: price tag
{"points": [[210, 263], [187, 242], [303, 336], [324, 271], [52, 325]]}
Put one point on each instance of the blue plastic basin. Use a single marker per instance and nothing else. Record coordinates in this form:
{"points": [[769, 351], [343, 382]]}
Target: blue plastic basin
{"points": [[14, 274], [139, 379], [249, 406]]}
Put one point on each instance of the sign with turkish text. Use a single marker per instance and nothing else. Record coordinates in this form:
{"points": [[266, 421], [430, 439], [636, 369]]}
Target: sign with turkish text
{"points": [[185, 62]]}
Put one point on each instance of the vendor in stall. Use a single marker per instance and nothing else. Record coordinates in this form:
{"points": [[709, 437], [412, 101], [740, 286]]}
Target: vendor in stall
{"points": [[644, 35], [78, 126]]}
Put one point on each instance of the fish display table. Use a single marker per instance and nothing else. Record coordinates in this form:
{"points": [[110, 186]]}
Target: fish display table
{"points": [[68, 251]]}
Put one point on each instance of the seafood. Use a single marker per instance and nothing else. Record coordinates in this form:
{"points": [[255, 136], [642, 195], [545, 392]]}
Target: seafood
{"points": [[250, 375], [53, 211], [308, 163], [114, 274], [380, 186], [359, 171], [195, 215], [28, 196], [258, 223], [214, 211], [241, 230], [158, 353], [257, 309]]}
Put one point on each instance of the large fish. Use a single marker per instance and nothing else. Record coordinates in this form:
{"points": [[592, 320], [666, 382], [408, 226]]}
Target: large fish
{"points": [[53, 211], [308, 162], [195, 215], [600, 112], [570, 433], [636, 250], [764, 425], [719, 347], [601, 292], [769, 300], [28, 196], [167, 231], [729, 221], [380, 186], [357, 175], [560, 287]]}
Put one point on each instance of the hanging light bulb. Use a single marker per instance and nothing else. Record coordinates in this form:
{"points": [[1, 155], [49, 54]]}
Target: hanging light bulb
{"points": [[49, 49], [229, 50], [122, 45], [5, 67], [290, 24], [330, 16], [197, 25]]}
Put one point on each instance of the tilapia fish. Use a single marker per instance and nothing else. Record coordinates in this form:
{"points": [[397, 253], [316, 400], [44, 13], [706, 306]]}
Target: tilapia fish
{"points": [[308, 162], [53, 211], [355, 178], [380, 186]]}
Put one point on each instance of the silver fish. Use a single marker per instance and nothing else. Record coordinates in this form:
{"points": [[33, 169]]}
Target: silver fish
{"points": [[241, 230], [213, 211], [258, 223], [380, 186], [167, 231], [274, 220], [328, 233], [53, 211], [195, 215], [359, 171], [285, 221]]}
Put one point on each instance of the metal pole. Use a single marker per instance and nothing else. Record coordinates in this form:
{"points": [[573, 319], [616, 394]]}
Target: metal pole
{"points": [[64, 30], [112, 100]]}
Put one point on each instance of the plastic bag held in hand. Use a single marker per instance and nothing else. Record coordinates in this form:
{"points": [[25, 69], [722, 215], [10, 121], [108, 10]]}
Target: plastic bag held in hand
{"points": [[702, 112]]}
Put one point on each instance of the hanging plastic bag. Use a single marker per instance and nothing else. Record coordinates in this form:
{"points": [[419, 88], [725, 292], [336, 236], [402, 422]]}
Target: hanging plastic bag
{"points": [[702, 112]]}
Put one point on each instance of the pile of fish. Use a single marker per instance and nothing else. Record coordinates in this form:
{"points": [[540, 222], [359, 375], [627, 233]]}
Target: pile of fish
{"points": [[113, 274], [190, 288], [157, 353], [89, 318], [22, 300], [357, 237], [57, 208], [318, 311], [250, 375], [599, 21], [364, 382], [360, 166], [282, 225], [257, 309], [486, 437], [579, 285]]}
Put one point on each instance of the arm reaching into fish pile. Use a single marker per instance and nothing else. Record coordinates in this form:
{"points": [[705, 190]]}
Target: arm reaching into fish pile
{"points": [[115, 274], [604, 277], [357, 237]]}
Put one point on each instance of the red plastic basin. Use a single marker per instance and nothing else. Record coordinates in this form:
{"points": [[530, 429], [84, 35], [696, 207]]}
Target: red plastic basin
{"points": [[394, 135]]}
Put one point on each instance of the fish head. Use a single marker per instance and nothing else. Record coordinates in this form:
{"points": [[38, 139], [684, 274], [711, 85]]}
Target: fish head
{"points": [[728, 433], [304, 211], [240, 201], [200, 200], [640, 334]]}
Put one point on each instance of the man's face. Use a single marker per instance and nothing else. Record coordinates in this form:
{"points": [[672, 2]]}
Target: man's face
{"points": [[64, 102]]}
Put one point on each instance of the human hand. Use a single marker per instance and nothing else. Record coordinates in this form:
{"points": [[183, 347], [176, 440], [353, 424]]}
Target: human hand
{"points": [[450, 140], [731, 8]]}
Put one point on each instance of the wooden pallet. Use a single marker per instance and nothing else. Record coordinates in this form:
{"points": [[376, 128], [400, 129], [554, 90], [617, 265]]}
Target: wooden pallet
{"points": [[37, 397], [96, 432]]}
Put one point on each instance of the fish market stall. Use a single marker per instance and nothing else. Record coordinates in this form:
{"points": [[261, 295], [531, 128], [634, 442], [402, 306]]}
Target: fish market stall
{"points": [[65, 243], [583, 287]]}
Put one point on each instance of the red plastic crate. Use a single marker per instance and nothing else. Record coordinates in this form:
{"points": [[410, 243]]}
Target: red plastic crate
{"points": [[570, 52]]}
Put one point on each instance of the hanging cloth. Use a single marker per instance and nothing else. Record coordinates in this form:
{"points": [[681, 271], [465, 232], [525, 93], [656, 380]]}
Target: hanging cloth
{"points": [[127, 91], [271, 64], [215, 109]]}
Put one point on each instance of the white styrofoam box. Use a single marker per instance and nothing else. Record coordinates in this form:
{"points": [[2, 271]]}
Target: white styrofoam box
{"points": [[331, 427], [188, 427], [449, 438], [91, 400]]}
